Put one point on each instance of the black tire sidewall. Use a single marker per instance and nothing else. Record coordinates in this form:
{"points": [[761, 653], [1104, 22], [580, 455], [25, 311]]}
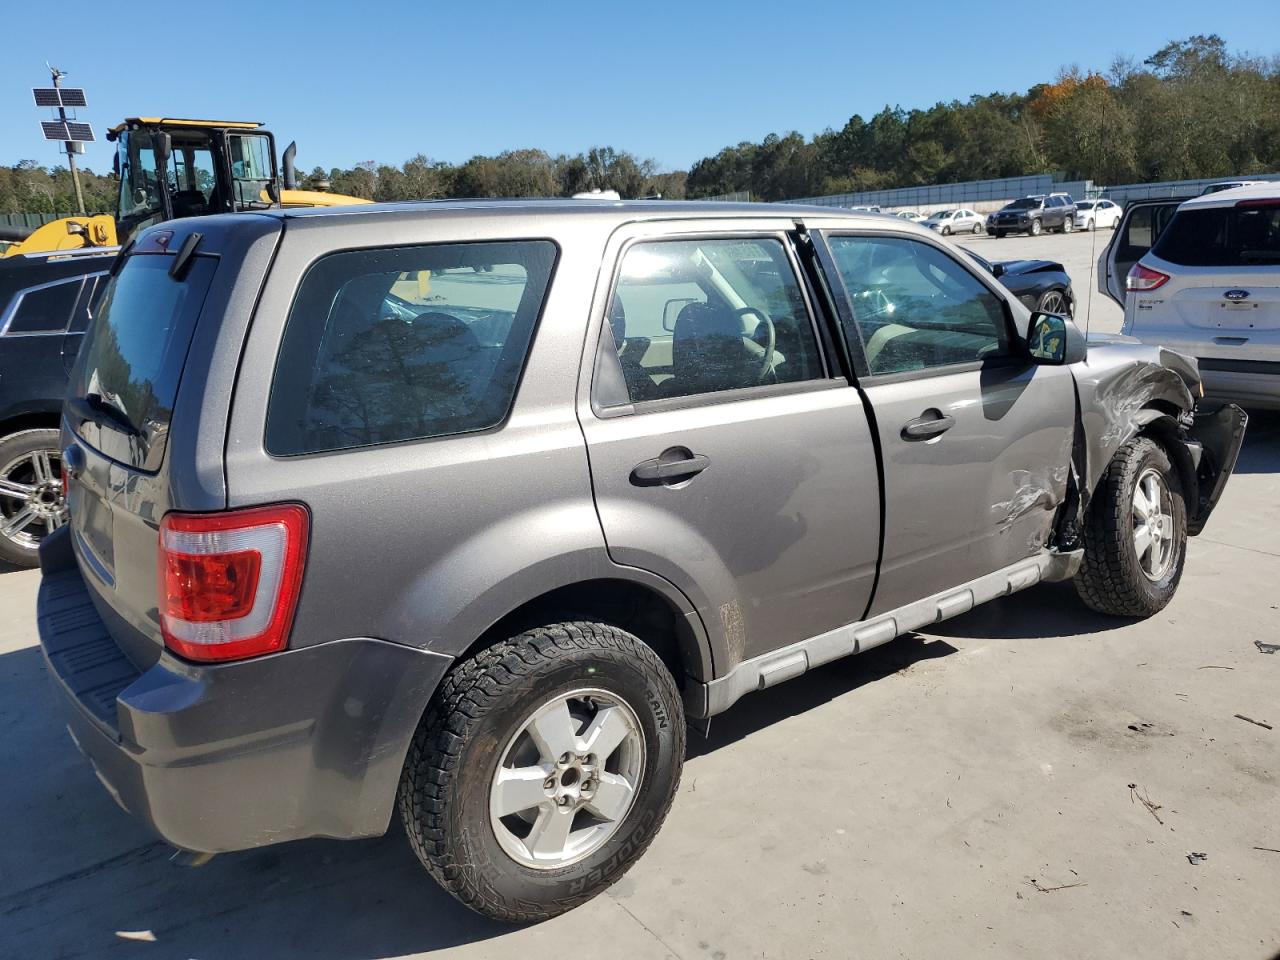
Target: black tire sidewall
{"points": [[11, 447], [469, 830]]}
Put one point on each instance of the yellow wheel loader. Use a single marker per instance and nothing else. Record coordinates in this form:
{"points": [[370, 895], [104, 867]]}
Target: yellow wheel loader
{"points": [[170, 168]]}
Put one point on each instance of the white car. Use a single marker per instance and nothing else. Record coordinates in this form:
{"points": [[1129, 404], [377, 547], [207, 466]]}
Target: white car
{"points": [[1205, 280], [910, 215], [947, 222], [1097, 215]]}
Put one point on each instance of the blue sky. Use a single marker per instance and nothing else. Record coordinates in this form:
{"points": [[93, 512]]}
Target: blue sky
{"points": [[372, 80]]}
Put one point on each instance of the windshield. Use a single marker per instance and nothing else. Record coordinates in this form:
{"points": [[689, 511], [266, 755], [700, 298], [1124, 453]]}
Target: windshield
{"points": [[1222, 237], [134, 352], [942, 214], [1026, 203]]}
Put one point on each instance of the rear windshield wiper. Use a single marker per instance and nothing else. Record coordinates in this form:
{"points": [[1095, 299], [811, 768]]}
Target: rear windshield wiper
{"points": [[97, 409]]}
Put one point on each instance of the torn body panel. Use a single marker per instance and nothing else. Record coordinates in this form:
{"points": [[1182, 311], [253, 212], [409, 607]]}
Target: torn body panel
{"points": [[1125, 388]]}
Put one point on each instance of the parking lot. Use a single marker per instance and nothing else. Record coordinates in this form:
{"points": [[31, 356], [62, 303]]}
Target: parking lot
{"points": [[1027, 774]]}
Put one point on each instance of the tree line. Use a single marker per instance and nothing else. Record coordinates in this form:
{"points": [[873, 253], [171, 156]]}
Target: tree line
{"points": [[1192, 109]]}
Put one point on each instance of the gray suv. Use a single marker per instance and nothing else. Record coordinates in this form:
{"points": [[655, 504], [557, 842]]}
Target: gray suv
{"points": [[458, 511]]}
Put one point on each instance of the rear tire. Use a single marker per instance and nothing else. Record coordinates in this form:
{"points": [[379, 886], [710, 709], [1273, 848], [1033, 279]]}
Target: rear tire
{"points": [[1118, 576], [499, 713], [31, 502]]}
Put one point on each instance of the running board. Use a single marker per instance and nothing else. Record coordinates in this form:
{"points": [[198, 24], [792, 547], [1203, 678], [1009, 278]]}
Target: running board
{"points": [[707, 699]]}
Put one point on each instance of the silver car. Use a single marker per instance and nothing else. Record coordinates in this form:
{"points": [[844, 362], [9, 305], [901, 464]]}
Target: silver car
{"points": [[961, 220], [458, 512]]}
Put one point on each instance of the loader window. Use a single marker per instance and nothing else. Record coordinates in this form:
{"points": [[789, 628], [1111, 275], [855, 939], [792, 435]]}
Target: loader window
{"points": [[251, 169], [139, 179]]}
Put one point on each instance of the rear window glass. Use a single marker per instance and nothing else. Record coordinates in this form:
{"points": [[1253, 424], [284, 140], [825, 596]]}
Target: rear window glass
{"points": [[1222, 237], [408, 343], [134, 352], [45, 309]]}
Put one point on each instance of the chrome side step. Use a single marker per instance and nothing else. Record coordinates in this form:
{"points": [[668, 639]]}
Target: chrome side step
{"points": [[766, 670]]}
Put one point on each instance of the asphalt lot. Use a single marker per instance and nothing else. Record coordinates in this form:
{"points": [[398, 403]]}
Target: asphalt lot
{"points": [[964, 791]]}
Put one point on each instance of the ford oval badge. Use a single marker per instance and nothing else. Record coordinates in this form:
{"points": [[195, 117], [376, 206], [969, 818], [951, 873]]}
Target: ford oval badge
{"points": [[1235, 296]]}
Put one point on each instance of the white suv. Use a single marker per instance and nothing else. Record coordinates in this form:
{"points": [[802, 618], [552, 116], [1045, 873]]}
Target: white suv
{"points": [[1208, 286]]}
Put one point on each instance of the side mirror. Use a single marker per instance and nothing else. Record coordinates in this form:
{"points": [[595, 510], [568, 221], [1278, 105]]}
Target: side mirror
{"points": [[1054, 340], [164, 147], [997, 270]]}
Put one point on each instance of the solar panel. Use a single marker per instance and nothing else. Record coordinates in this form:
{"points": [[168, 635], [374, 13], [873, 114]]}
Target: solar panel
{"points": [[67, 130], [60, 97]]}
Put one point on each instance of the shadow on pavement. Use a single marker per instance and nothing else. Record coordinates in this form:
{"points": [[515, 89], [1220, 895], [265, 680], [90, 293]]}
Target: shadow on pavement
{"points": [[815, 688], [1261, 450], [79, 870], [1048, 610]]}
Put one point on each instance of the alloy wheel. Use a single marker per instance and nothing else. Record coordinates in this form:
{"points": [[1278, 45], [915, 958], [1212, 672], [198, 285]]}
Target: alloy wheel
{"points": [[1054, 302], [1153, 534], [567, 779], [31, 501]]}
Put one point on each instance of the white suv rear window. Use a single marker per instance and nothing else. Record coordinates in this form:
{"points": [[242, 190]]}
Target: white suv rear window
{"points": [[1241, 236]]}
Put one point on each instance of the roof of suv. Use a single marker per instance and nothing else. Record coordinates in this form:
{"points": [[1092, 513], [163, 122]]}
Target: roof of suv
{"points": [[1229, 198], [621, 211]]}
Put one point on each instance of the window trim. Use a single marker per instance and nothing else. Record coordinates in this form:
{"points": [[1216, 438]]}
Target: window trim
{"points": [[784, 236], [557, 253], [15, 304], [863, 375]]}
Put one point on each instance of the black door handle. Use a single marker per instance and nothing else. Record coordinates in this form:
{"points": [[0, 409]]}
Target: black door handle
{"points": [[929, 424], [671, 466]]}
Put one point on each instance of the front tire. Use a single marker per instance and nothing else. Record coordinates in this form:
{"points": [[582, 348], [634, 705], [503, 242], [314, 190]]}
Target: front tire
{"points": [[31, 501], [977, 229], [946, 231], [543, 769], [1000, 234], [1135, 534], [1036, 228], [1068, 225]]}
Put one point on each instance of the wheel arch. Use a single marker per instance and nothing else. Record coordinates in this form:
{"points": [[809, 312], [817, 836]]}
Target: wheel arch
{"points": [[642, 605]]}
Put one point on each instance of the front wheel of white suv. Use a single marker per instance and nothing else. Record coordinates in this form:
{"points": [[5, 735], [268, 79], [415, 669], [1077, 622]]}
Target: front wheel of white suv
{"points": [[1135, 534], [543, 769]]}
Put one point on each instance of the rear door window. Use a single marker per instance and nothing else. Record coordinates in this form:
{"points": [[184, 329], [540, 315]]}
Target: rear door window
{"points": [[388, 345], [1241, 236], [133, 355], [43, 309]]}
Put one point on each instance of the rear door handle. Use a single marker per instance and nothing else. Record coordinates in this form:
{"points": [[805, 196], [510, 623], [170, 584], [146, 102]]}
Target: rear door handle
{"points": [[929, 424], [671, 466]]}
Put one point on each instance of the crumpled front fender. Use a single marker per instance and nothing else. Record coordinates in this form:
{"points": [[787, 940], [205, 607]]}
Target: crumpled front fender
{"points": [[1123, 386]]}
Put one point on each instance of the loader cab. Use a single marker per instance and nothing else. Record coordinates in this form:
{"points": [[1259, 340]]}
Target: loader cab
{"points": [[169, 169]]}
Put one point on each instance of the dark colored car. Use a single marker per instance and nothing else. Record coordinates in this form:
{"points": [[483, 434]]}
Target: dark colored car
{"points": [[457, 511], [44, 301], [1039, 284], [1033, 215]]}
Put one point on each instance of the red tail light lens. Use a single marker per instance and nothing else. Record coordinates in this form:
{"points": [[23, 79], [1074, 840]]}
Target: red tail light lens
{"points": [[229, 582], [1144, 278], [1260, 202]]}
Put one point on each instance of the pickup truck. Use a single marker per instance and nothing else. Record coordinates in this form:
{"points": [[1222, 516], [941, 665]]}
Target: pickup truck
{"points": [[462, 511]]}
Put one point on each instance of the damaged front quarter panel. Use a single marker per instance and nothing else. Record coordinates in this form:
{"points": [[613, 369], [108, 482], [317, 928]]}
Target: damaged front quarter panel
{"points": [[1126, 387]]}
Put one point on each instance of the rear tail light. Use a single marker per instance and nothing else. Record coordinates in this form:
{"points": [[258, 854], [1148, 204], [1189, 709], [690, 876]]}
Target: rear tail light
{"points": [[229, 582], [1260, 202], [1144, 278]]}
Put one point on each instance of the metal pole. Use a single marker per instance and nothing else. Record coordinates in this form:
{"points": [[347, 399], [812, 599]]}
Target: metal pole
{"points": [[71, 159]]}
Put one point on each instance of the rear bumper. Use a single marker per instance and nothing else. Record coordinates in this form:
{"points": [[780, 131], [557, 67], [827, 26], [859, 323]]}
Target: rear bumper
{"points": [[1253, 383], [308, 742], [1219, 432]]}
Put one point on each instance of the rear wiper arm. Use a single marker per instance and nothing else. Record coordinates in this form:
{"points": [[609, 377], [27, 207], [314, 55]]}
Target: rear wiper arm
{"points": [[96, 409]]}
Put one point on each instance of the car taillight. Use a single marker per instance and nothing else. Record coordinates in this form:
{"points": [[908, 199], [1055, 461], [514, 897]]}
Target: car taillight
{"points": [[1144, 278], [1261, 202], [229, 582]]}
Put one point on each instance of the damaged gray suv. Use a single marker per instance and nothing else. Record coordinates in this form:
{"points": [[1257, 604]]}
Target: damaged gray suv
{"points": [[458, 511]]}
